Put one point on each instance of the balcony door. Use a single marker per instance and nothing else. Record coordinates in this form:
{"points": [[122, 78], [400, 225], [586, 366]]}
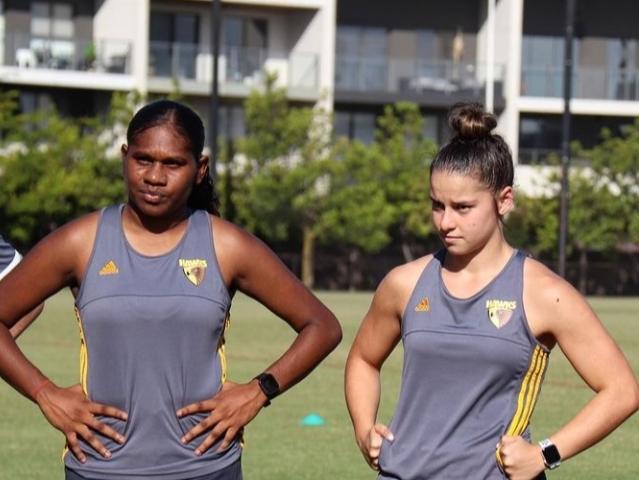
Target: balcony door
{"points": [[244, 41], [52, 32], [174, 44]]}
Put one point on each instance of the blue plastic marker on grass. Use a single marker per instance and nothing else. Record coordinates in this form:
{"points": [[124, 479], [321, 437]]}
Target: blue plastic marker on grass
{"points": [[313, 420]]}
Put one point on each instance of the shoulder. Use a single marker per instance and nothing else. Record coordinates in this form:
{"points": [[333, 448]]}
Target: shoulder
{"points": [[548, 287], [395, 289], [550, 301], [230, 238]]}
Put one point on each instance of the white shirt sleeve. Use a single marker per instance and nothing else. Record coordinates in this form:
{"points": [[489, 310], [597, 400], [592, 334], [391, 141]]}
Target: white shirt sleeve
{"points": [[16, 259]]}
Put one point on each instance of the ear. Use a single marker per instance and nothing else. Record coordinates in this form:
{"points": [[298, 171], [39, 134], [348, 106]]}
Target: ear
{"points": [[202, 169], [505, 201], [124, 149]]}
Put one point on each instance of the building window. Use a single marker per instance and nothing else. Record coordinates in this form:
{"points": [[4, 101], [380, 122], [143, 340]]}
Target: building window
{"points": [[244, 41], [361, 58], [174, 44], [52, 20]]}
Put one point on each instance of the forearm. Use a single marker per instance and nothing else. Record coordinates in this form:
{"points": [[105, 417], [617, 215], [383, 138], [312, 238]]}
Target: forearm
{"points": [[599, 417], [363, 389], [22, 324], [16, 369], [312, 344]]}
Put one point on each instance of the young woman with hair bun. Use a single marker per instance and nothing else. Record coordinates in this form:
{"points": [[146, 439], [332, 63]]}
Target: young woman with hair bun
{"points": [[153, 279], [478, 320]]}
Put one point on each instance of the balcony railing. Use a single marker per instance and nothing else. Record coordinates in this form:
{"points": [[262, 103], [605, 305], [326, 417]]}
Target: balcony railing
{"points": [[410, 75], [237, 65], [587, 82], [26, 51]]}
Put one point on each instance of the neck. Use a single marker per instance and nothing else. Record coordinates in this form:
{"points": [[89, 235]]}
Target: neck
{"points": [[493, 255], [156, 225]]}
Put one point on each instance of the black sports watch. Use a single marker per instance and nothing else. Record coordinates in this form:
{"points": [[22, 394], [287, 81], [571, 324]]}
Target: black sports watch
{"points": [[269, 386], [550, 454]]}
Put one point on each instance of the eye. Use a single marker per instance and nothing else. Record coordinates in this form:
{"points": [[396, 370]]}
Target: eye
{"points": [[436, 206], [143, 160], [463, 208]]}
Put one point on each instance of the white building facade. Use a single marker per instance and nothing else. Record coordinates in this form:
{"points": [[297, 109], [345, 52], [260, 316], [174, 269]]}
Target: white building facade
{"points": [[354, 56]]}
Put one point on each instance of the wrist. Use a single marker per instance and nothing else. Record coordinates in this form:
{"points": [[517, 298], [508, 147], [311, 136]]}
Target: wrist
{"points": [[549, 454], [35, 393], [269, 386]]}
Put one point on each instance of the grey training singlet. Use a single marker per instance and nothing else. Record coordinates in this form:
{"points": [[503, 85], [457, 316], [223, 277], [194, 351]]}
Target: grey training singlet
{"points": [[472, 373], [151, 330]]}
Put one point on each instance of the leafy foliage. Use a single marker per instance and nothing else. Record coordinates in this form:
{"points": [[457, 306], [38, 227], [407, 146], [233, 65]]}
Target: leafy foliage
{"points": [[53, 169]]}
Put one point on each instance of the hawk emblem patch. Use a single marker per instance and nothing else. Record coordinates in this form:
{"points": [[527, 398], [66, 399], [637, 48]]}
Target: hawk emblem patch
{"points": [[194, 270], [500, 311]]}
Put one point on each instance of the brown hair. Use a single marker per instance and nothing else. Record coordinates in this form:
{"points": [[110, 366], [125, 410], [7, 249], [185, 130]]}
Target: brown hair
{"points": [[474, 150]]}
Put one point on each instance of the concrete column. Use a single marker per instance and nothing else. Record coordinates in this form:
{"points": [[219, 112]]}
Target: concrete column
{"points": [[328, 16], [513, 25], [141, 44]]}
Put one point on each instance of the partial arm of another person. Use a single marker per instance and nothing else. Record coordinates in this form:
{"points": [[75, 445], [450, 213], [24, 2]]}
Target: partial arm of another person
{"points": [[378, 335], [558, 312], [22, 324], [51, 265], [249, 266]]}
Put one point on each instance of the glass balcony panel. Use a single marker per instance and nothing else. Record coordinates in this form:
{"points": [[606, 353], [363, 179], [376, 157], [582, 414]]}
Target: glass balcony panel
{"points": [[410, 75], [237, 65], [27, 51]]}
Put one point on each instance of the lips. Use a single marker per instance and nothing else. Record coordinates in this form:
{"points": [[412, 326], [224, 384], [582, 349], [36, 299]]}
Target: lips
{"points": [[151, 196]]}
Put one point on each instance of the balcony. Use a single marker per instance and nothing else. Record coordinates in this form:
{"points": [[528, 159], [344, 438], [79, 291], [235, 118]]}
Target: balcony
{"points": [[101, 64], [587, 83], [240, 69], [376, 79]]}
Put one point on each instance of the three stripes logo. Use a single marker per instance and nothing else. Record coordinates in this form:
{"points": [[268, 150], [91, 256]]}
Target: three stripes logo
{"points": [[423, 305], [109, 268]]}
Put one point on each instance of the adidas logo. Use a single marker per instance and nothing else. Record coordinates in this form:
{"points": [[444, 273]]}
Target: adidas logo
{"points": [[109, 268], [423, 305]]}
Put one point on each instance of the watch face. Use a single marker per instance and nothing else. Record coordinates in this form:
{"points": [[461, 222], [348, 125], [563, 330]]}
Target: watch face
{"points": [[551, 454], [269, 385]]}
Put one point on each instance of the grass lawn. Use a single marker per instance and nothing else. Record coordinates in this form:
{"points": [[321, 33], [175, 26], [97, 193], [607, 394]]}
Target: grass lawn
{"points": [[277, 445]]}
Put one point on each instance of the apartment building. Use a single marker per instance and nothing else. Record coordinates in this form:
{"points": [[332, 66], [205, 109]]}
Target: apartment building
{"points": [[355, 56], [75, 53]]}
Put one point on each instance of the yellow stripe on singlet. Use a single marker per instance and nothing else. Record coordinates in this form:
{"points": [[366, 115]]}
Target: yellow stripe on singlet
{"points": [[84, 365], [84, 355], [529, 392], [221, 348]]}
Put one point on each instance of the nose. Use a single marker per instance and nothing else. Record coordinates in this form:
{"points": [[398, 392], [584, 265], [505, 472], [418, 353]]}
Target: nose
{"points": [[155, 175], [446, 221]]}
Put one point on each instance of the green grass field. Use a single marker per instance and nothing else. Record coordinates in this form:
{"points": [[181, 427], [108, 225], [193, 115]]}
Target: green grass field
{"points": [[277, 446]]}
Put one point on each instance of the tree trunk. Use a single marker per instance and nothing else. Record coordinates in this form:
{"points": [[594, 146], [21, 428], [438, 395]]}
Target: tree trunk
{"points": [[354, 272], [583, 270], [308, 256], [406, 253]]}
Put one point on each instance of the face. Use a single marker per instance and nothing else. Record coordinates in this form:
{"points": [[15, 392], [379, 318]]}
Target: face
{"points": [[466, 214], [160, 172]]}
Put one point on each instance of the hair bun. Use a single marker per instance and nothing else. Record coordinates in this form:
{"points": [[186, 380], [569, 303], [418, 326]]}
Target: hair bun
{"points": [[470, 120]]}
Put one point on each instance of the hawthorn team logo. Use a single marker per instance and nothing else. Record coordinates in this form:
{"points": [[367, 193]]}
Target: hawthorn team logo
{"points": [[194, 269], [500, 311]]}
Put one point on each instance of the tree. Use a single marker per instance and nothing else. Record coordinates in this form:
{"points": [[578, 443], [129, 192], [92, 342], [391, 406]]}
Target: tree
{"points": [[281, 186], [406, 156], [53, 169], [594, 220], [615, 161]]}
